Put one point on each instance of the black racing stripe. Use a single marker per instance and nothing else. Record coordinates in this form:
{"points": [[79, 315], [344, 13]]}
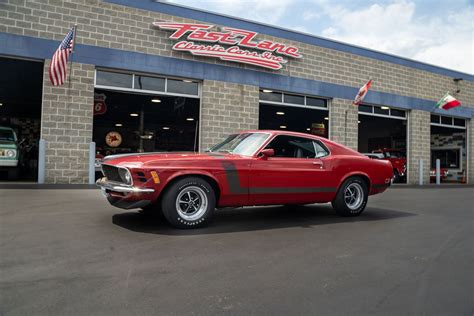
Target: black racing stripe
{"points": [[235, 187], [232, 176]]}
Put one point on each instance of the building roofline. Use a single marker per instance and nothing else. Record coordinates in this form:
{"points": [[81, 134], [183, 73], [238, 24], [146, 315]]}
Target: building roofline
{"points": [[227, 20]]}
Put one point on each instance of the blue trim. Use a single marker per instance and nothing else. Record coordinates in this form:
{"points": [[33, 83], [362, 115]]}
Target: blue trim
{"points": [[29, 47], [215, 18]]}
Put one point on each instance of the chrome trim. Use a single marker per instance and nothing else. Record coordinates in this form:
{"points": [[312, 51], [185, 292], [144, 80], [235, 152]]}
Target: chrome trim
{"points": [[121, 187]]}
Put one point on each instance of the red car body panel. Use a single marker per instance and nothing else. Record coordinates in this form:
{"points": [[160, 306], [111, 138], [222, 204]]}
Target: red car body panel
{"points": [[398, 163], [244, 180]]}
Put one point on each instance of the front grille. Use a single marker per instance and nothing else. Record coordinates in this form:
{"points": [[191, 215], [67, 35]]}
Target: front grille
{"points": [[111, 173]]}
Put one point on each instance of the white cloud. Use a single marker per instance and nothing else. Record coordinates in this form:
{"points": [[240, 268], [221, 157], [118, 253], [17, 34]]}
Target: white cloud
{"points": [[263, 11], [395, 28]]}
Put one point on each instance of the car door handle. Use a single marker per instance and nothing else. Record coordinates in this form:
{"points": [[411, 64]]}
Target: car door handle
{"points": [[318, 163]]}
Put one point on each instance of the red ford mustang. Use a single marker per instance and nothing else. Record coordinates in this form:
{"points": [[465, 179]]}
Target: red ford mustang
{"points": [[249, 168]]}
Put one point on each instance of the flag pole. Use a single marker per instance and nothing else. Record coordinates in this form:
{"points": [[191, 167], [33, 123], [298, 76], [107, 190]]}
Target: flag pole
{"points": [[72, 55]]}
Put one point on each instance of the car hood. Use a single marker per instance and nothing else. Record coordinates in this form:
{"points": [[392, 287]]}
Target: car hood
{"points": [[149, 159]]}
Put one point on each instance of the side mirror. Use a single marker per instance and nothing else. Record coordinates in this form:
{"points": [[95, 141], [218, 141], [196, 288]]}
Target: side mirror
{"points": [[268, 152]]}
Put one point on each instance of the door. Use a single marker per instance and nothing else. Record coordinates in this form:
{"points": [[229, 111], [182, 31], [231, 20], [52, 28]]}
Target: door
{"points": [[299, 172]]}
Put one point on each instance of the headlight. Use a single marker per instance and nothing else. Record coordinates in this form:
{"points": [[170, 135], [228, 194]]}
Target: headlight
{"points": [[11, 153], [125, 175]]}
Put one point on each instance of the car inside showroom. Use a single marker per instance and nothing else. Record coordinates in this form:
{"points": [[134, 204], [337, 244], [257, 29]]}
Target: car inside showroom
{"points": [[142, 113], [21, 89], [383, 131]]}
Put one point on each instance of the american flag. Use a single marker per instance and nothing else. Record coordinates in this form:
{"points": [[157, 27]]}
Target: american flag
{"points": [[58, 67]]}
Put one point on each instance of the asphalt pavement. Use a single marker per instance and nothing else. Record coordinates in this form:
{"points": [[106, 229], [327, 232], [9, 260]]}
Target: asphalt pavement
{"points": [[68, 252]]}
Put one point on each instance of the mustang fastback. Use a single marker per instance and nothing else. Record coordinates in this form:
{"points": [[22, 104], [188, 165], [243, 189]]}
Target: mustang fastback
{"points": [[249, 168]]}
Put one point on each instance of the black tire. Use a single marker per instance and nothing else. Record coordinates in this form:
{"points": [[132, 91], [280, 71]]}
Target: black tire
{"points": [[396, 176], [342, 202], [189, 203]]}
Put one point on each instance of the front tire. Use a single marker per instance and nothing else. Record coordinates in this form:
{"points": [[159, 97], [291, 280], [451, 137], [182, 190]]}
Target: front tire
{"points": [[351, 198], [189, 203]]}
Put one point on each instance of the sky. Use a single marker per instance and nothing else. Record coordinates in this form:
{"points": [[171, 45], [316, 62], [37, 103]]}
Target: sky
{"points": [[437, 32]]}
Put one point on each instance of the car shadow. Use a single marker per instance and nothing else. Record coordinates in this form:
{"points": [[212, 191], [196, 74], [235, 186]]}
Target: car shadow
{"points": [[231, 220]]}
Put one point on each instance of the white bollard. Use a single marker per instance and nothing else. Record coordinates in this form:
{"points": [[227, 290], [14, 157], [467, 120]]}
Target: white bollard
{"points": [[91, 163], [420, 179], [438, 171], [41, 160]]}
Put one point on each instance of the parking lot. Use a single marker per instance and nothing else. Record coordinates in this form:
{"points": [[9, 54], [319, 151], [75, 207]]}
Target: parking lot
{"points": [[69, 252]]}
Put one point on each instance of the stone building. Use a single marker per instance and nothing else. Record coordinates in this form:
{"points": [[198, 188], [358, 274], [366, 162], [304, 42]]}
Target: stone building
{"points": [[136, 84]]}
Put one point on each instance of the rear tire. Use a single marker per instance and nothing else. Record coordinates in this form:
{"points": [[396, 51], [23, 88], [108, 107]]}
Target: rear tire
{"points": [[351, 198], [396, 176], [189, 203]]}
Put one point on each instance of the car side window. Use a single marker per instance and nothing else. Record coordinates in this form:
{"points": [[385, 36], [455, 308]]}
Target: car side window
{"points": [[292, 147], [321, 151]]}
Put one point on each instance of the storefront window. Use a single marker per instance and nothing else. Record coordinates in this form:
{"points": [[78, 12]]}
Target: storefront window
{"points": [[449, 158], [293, 99], [126, 122], [149, 83], [182, 87], [113, 79]]}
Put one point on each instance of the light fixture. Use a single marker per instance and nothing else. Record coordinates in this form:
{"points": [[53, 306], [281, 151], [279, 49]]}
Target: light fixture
{"points": [[308, 129], [166, 128], [188, 81], [282, 126], [280, 113], [133, 114], [267, 91], [118, 125], [358, 122], [326, 118], [189, 119], [1, 104], [156, 100], [384, 107]]}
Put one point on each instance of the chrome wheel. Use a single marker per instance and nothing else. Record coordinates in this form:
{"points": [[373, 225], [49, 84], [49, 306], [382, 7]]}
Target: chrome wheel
{"points": [[354, 196], [191, 203]]}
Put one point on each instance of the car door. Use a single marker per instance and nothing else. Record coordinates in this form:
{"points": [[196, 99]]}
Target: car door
{"points": [[297, 173]]}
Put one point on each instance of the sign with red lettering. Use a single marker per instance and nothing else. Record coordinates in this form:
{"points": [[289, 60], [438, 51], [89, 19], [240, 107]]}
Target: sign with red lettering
{"points": [[230, 45], [99, 104]]}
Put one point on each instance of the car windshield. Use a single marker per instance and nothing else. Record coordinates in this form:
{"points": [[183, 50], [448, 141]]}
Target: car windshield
{"points": [[241, 144], [6, 134], [395, 154]]}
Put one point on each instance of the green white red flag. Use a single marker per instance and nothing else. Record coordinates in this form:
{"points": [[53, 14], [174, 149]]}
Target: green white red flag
{"points": [[447, 102], [362, 92]]}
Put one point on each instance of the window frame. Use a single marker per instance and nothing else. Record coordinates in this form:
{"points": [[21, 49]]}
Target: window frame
{"points": [[144, 91]]}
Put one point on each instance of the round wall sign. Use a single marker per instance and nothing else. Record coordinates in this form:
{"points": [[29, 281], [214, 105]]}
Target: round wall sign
{"points": [[113, 139]]}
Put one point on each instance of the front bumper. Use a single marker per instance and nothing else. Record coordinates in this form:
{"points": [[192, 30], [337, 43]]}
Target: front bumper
{"points": [[8, 163], [125, 196]]}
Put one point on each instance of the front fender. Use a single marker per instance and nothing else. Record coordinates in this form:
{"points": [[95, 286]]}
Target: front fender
{"points": [[182, 173]]}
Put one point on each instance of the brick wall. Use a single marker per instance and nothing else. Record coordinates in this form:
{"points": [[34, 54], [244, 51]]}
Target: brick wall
{"points": [[67, 125], [226, 108], [343, 128], [470, 151], [419, 145], [120, 27]]}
